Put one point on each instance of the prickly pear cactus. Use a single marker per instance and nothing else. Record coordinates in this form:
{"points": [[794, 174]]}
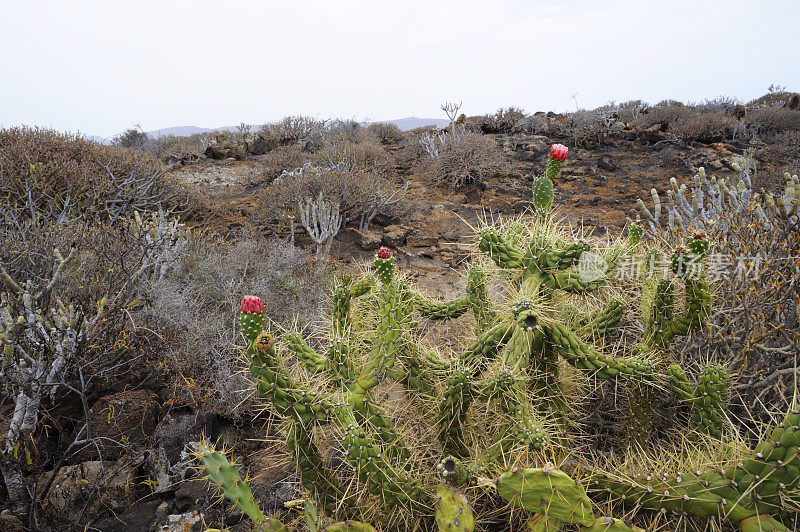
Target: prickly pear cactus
{"points": [[376, 415]]}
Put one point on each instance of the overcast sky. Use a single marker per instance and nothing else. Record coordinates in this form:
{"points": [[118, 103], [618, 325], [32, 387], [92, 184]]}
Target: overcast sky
{"points": [[102, 66]]}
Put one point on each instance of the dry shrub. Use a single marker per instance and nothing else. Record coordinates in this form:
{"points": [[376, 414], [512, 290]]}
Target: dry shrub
{"points": [[185, 148], [385, 132], [689, 123], [629, 111], [463, 158], [293, 130], [768, 121], [282, 158], [356, 149], [504, 120], [133, 138], [775, 97], [355, 191], [192, 308], [56, 166], [784, 149]]}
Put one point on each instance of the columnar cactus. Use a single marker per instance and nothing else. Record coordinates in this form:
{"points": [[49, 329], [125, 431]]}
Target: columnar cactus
{"points": [[547, 312]]}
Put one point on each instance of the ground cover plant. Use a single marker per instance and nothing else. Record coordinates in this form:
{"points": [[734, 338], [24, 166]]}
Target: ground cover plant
{"points": [[387, 429]]}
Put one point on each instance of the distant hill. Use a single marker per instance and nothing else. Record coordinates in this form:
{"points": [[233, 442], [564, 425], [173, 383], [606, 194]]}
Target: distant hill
{"points": [[412, 122], [404, 124], [185, 131]]}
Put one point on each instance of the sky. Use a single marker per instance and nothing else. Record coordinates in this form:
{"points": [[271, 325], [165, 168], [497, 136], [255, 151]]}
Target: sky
{"points": [[100, 67]]}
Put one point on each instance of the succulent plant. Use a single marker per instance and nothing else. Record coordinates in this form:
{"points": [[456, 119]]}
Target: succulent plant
{"points": [[547, 313]]}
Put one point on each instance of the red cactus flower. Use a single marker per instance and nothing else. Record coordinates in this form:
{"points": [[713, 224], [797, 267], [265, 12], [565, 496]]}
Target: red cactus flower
{"points": [[699, 235], [384, 253], [251, 304], [558, 152]]}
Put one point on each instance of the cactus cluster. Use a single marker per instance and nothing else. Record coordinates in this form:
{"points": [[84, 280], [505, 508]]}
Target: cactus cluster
{"points": [[471, 436], [712, 204]]}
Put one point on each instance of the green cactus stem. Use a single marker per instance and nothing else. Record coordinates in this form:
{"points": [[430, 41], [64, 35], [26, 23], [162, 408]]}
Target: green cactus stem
{"points": [[453, 512], [603, 320], [441, 310], [609, 524], [707, 397], [384, 266], [350, 526], [222, 473], [548, 491], [755, 486], [455, 472], [543, 191]]}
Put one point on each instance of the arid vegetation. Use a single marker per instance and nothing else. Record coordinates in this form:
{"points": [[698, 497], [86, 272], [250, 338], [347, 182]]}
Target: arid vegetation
{"points": [[122, 266]]}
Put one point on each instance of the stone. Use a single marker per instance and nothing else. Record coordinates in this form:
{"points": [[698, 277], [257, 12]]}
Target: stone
{"points": [[365, 240], [395, 236], [605, 162], [217, 152], [140, 517], [128, 416], [9, 523], [421, 241], [187, 522], [168, 445], [100, 486], [260, 146], [652, 134], [191, 493]]}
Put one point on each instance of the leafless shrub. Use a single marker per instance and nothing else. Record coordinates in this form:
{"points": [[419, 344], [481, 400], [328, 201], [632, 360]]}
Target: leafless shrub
{"points": [[75, 307], [720, 104], [768, 121], [357, 150], [462, 158], [66, 175], [776, 96], [294, 130], [191, 308], [630, 111], [360, 194], [504, 120], [184, 148], [282, 159], [385, 132], [784, 148], [133, 138], [690, 123]]}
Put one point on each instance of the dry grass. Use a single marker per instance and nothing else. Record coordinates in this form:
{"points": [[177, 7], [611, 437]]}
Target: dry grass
{"points": [[191, 308]]}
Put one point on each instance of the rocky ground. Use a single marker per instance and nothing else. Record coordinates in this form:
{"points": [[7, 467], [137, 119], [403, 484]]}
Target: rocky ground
{"points": [[432, 231]]}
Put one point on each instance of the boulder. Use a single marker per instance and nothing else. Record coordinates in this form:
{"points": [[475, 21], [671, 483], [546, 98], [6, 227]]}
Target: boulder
{"points": [[128, 417], [395, 236], [605, 162], [140, 517], [98, 486], [421, 240], [9, 523], [168, 459], [260, 146], [363, 239]]}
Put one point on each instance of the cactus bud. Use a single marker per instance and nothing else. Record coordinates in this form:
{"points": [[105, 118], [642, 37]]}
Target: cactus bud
{"points": [[558, 152], [251, 317], [251, 304], [635, 232], [384, 265]]}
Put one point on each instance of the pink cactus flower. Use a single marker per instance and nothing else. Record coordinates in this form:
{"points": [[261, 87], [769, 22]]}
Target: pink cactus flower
{"points": [[384, 253], [558, 152], [252, 305]]}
